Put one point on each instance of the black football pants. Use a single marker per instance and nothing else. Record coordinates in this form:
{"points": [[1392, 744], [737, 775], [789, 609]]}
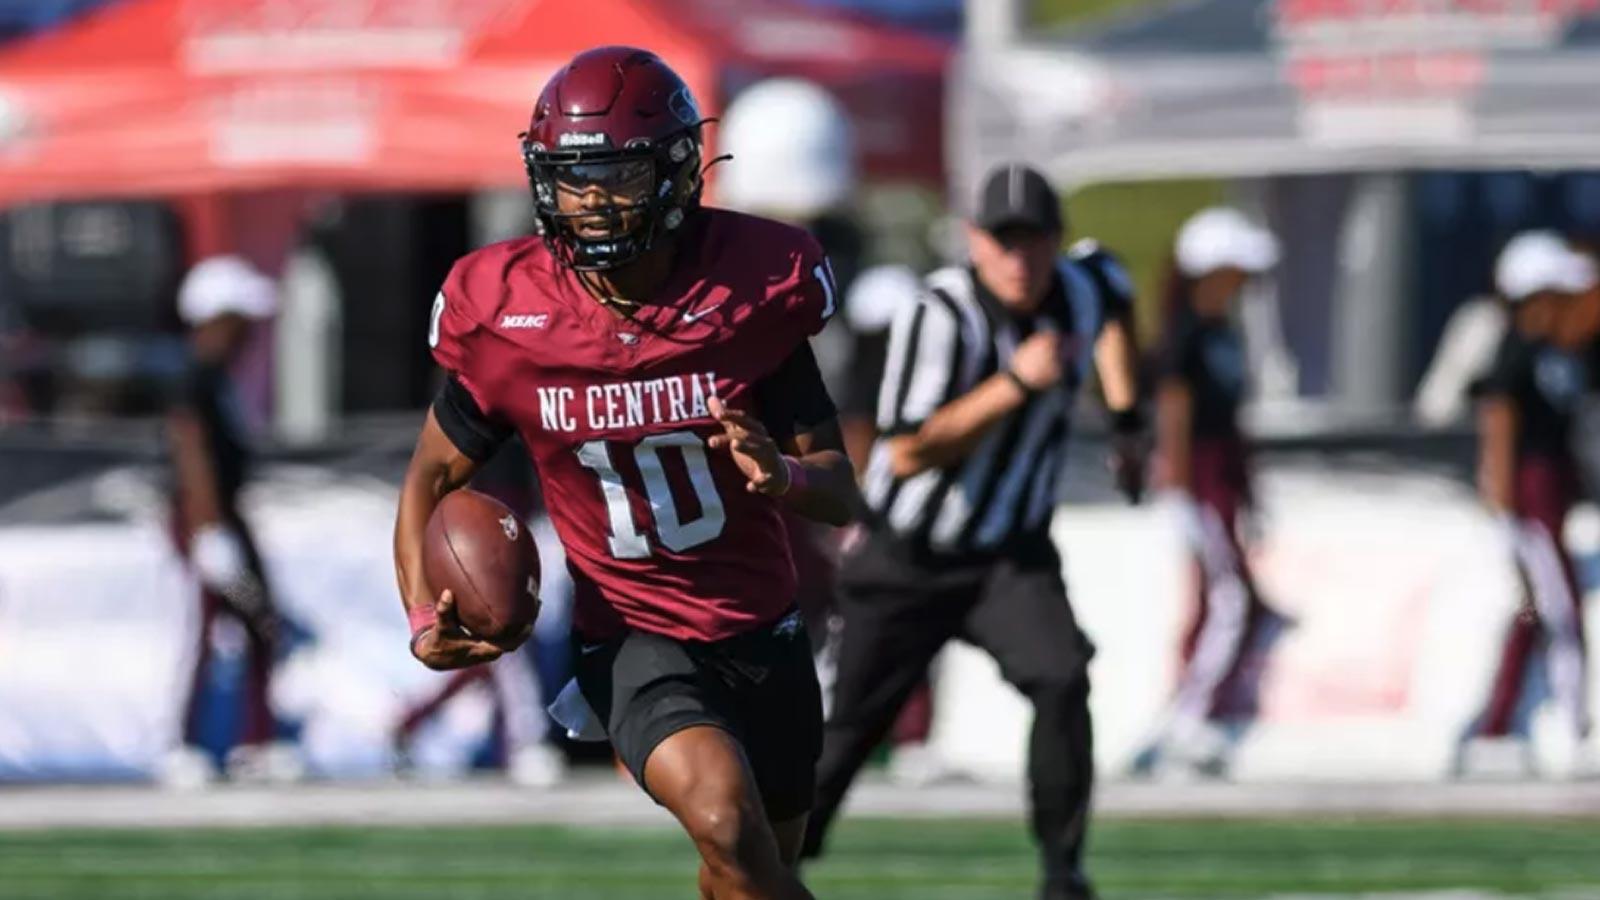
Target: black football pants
{"points": [[899, 610]]}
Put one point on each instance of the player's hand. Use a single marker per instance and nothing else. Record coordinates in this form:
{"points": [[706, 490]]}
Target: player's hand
{"points": [[1037, 360], [218, 556], [753, 450], [446, 645], [1129, 453], [223, 567]]}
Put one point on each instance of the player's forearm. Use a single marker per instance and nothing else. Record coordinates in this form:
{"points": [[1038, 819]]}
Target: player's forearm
{"points": [[416, 506], [1115, 359], [431, 475], [860, 432], [1497, 427], [955, 429], [826, 490], [195, 473], [1174, 417]]}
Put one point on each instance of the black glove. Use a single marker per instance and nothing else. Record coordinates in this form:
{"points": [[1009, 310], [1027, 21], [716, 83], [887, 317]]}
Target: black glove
{"points": [[1130, 450]]}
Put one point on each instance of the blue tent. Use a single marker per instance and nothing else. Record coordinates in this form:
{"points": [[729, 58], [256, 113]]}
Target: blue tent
{"points": [[23, 17]]}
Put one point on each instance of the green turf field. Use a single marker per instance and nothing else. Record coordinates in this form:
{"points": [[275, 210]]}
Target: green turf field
{"points": [[876, 859], [1056, 13]]}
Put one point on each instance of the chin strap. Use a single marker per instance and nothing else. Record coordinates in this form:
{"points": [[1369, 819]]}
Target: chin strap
{"points": [[726, 157]]}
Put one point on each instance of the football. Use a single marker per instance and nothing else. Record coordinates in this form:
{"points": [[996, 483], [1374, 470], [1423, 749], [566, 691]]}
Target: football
{"points": [[479, 550]]}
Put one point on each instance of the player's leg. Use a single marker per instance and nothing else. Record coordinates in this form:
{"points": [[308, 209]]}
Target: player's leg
{"points": [[1544, 498], [1024, 621], [1236, 698], [672, 722], [1152, 752], [1555, 596], [1498, 717], [264, 633], [202, 664], [701, 776], [1221, 638], [186, 765], [789, 833], [178, 531], [1506, 689], [777, 699], [895, 618]]}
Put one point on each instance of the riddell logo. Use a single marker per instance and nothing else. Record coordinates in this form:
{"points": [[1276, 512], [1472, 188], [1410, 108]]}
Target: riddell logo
{"points": [[583, 139], [536, 321]]}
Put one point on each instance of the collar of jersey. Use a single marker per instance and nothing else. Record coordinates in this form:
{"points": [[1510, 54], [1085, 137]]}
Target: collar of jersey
{"points": [[999, 313]]}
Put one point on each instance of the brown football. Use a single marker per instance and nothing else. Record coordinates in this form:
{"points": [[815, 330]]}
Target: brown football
{"points": [[480, 551]]}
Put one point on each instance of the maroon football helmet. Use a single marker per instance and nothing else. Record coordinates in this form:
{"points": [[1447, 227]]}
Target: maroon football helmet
{"points": [[613, 154]]}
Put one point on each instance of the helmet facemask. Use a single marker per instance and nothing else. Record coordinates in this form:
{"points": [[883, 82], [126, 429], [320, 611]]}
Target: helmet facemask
{"points": [[603, 208]]}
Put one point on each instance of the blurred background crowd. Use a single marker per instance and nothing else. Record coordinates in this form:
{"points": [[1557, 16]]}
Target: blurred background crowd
{"points": [[222, 225]]}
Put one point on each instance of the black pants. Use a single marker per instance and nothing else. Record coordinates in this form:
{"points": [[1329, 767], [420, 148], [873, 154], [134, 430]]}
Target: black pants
{"points": [[899, 611]]}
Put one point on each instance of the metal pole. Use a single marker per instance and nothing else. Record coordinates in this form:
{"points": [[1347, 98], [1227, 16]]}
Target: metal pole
{"points": [[1370, 302], [994, 23]]}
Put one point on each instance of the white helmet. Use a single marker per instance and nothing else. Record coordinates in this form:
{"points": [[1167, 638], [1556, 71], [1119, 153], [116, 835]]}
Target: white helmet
{"points": [[1222, 238], [1536, 261], [793, 151], [224, 285]]}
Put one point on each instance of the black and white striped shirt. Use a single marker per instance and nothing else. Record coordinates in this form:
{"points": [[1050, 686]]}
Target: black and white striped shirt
{"points": [[943, 345]]}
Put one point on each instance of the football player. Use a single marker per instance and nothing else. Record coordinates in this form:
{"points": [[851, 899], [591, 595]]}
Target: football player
{"points": [[1204, 464], [223, 300], [653, 356], [1528, 475]]}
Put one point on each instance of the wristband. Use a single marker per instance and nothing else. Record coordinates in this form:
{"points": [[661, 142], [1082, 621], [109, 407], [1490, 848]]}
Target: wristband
{"points": [[797, 475], [1128, 421], [1021, 385], [421, 618]]}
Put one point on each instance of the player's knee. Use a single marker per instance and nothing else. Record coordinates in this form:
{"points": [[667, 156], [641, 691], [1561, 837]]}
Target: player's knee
{"points": [[719, 825]]}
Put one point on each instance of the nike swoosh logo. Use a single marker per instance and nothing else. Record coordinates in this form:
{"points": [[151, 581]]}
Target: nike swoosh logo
{"points": [[698, 314]]}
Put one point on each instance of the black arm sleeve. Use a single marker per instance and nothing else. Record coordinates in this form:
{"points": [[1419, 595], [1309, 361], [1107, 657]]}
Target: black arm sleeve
{"points": [[475, 434], [793, 400], [1507, 375]]}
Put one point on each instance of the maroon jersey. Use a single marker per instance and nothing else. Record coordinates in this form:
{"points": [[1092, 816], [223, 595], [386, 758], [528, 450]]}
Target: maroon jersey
{"points": [[660, 532]]}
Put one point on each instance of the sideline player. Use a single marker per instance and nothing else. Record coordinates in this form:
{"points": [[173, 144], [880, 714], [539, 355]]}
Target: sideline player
{"points": [[222, 300], [1203, 460], [1528, 475], [974, 414], [653, 356]]}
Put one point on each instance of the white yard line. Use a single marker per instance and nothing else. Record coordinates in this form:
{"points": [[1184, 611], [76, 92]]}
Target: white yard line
{"points": [[601, 800]]}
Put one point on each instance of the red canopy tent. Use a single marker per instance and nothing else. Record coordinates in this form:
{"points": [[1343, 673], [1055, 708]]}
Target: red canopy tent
{"points": [[165, 97]]}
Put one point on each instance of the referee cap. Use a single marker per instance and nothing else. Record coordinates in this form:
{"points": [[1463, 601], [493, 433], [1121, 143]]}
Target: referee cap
{"points": [[1016, 196], [1536, 261]]}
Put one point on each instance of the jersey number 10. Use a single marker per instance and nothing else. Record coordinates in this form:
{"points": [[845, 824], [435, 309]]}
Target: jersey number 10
{"points": [[674, 533]]}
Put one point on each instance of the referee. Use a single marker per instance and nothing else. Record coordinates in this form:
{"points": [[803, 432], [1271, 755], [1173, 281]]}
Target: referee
{"points": [[974, 417]]}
